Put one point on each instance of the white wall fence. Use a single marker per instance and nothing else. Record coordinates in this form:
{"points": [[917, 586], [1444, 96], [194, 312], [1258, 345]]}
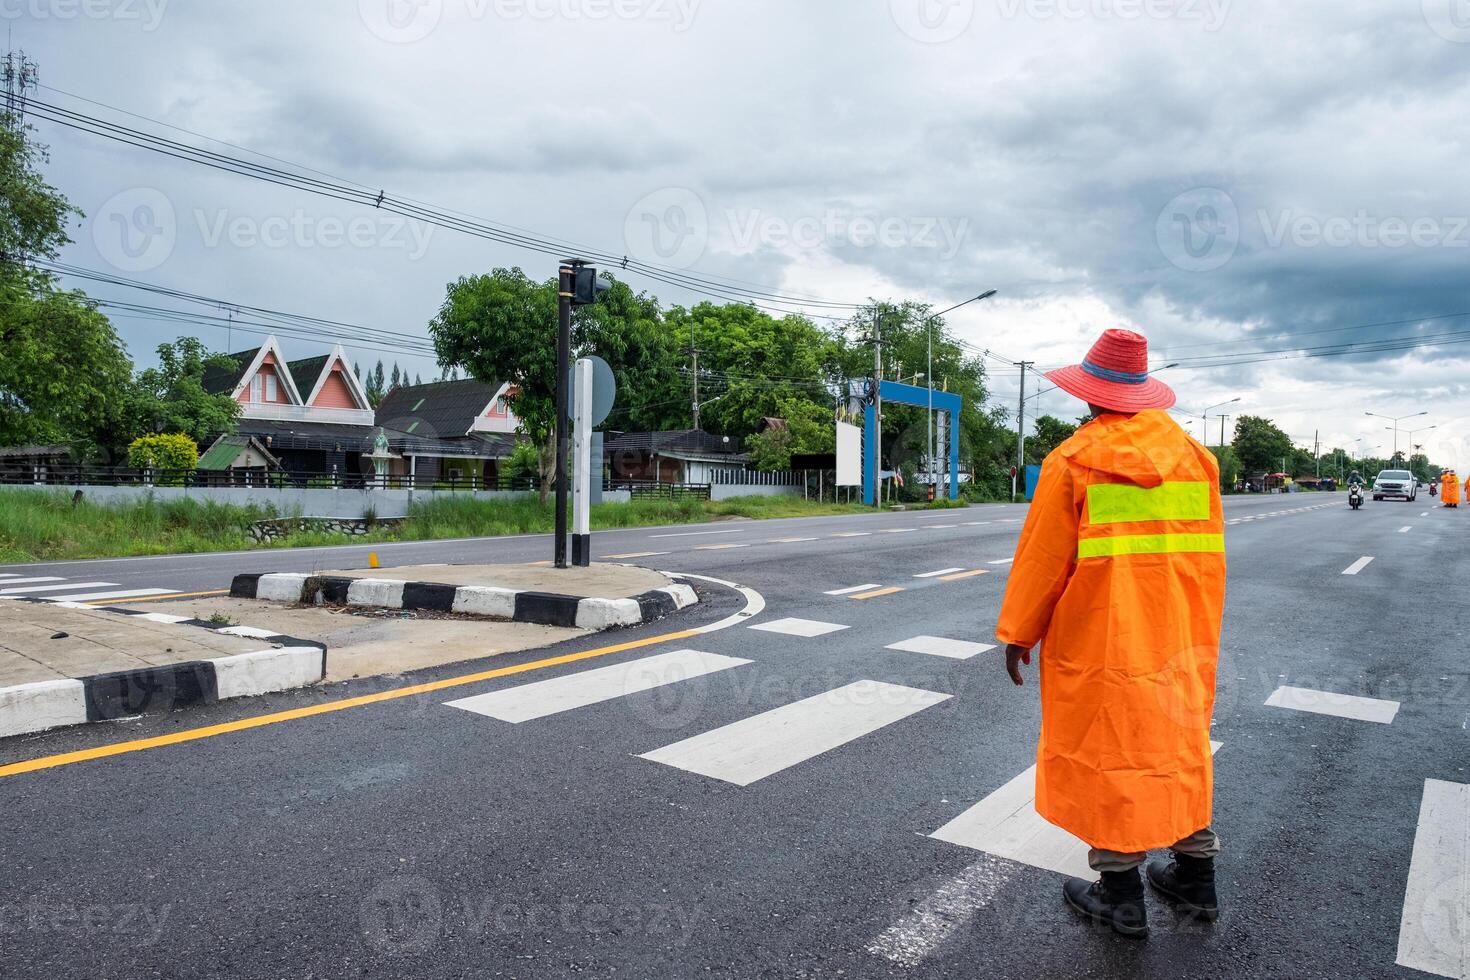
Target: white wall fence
{"points": [[288, 501], [350, 504]]}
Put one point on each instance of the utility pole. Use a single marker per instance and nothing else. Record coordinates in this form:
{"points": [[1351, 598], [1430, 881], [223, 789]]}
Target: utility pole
{"points": [[1317, 450], [1021, 434], [693, 353]]}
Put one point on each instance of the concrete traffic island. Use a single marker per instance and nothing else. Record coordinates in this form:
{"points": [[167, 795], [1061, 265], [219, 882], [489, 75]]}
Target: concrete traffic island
{"points": [[597, 597], [67, 663]]}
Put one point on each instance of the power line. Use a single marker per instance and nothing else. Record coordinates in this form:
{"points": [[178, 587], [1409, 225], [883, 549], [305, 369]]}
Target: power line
{"points": [[335, 188]]}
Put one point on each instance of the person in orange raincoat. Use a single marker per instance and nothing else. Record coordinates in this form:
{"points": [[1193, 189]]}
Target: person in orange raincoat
{"points": [[1120, 576], [1449, 488]]}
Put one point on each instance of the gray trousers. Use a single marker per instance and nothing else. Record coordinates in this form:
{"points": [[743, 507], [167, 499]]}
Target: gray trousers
{"points": [[1201, 844]]}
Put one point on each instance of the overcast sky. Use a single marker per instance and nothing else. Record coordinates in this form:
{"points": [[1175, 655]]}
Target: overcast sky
{"points": [[1225, 176]]}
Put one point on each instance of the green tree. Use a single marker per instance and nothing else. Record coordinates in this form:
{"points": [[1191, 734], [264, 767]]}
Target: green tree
{"points": [[1050, 433], [808, 429], [33, 214], [171, 397], [63, 369], [64, 374], [1260, 445]]}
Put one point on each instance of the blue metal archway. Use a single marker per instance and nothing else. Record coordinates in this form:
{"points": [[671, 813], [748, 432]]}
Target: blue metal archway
{"points": [[901, 394]]}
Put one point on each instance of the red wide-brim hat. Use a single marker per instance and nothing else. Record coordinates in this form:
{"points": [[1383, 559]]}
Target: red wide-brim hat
{"points": [[1115, 375]]}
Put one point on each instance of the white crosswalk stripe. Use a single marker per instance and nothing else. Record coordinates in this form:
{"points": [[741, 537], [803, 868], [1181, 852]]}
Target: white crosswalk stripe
{"points": [[33, 589], [38, 578], [1007, 825], [942, 571], [121, 594], [1434, 931], [938, 646], [754, 748], [853, 588], [542, 698], [1338, 705], [807, 628]]}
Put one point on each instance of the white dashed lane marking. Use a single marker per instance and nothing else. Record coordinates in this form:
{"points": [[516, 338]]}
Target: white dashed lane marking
{"points": [[1434, 932], [1406, 529], [854, 588], [1358, 565], [942, 571], [911, 940], [1338, 705]]}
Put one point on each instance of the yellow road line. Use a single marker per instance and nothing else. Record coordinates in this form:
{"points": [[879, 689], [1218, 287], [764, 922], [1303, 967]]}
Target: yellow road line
{"points": [[157, 598], [960, 575], [244, 724], [876, 593]]}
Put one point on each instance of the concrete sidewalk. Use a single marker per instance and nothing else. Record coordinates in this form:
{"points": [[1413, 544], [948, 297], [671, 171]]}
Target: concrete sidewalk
{"points": [[68, 663], [370, 642]]}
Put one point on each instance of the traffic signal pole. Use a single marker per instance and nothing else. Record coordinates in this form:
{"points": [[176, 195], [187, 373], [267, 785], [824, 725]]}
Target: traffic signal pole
{"points": [[563, 423]]}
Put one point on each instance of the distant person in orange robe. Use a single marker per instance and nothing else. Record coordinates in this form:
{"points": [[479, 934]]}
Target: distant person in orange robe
{"points": [[1449, 488], [1120, 576]]}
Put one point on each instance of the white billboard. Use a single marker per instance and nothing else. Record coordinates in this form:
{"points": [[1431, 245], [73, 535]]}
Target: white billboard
{"points": [[849, 455]]}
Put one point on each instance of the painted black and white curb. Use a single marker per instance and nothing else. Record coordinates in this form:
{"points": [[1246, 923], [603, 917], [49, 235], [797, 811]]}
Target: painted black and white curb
{"points": [[288, 663], [545, 608]]}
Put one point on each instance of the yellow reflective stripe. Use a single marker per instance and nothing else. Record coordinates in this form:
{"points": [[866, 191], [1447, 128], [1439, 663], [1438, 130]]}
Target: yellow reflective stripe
{"points": [[1117, 503], [1149, 544]]}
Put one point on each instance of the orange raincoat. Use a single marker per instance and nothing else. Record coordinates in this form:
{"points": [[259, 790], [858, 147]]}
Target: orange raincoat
{"points": [[1120, 575], [1449, 489]]}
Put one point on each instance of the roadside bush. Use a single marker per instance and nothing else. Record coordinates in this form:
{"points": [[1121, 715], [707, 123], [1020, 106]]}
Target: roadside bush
{"points": [[173, 451]]}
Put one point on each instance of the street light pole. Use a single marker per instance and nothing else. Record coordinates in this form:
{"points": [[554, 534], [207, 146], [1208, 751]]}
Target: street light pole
{"points": [[929, 381], [1396, 422]]}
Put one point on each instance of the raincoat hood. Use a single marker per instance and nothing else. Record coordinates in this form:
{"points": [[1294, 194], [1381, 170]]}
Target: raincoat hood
{"points": [[1142, 449]]}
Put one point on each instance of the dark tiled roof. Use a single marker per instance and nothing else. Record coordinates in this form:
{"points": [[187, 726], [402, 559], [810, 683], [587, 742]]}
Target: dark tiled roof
{"points": [[359, 438], [439, 409], [305, 372], [685, 441], [222, 380], [38, 452]]}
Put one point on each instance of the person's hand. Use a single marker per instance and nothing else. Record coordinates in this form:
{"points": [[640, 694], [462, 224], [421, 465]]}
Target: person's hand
{"points": [[1016, 655]]}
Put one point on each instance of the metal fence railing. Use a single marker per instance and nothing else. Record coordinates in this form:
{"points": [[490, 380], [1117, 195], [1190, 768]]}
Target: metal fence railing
{"points": [[647, 490], [122, 476]]}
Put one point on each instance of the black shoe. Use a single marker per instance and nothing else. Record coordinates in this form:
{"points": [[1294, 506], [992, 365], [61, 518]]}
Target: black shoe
{"points": [[1115, 901], [1188, 883]]}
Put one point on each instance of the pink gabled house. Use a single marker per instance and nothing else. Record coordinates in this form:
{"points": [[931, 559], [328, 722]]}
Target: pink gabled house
{"points": [[313, 415]]}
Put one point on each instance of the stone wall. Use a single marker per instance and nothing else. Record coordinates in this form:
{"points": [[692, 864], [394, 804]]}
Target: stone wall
{"points": [[265, 532]]}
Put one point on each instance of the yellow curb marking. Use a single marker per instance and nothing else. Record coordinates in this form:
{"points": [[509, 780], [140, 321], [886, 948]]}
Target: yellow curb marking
{"points": [[156, 598], [244, 724]]}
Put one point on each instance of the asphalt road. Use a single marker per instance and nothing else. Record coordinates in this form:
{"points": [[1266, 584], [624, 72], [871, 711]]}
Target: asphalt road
{"points": [[407, 837]]}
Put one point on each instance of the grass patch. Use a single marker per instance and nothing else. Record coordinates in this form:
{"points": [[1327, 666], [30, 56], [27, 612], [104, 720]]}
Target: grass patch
{"points": [[44, 526]]}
